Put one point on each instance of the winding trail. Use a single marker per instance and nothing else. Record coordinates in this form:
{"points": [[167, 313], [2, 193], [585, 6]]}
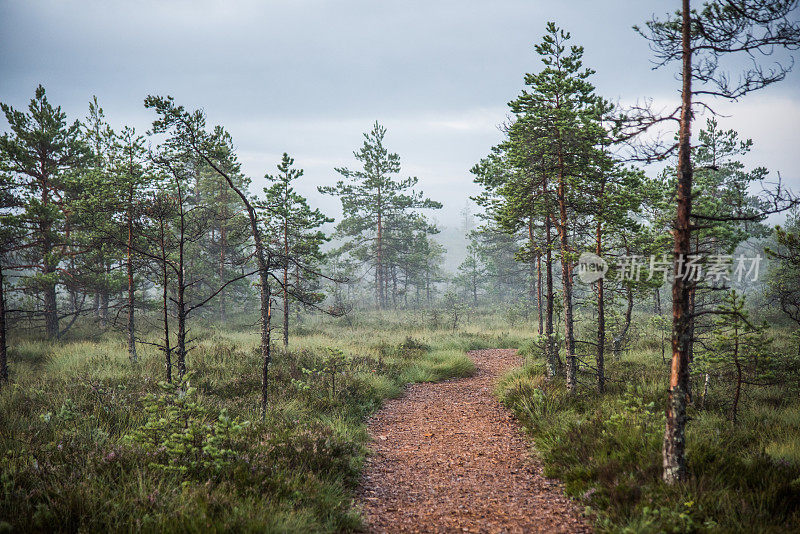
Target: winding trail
{"points": [[448, 457]]}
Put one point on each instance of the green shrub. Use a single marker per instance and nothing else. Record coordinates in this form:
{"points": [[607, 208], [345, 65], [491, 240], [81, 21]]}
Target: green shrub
{"points": [[607, 451], [182, 436]]}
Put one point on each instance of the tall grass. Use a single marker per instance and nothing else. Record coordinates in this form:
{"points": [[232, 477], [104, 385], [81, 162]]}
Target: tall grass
{"points": [[607, 449], [68, 461]]}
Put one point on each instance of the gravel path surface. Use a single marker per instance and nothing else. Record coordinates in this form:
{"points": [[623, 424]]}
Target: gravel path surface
{"points": [[448, 457]]}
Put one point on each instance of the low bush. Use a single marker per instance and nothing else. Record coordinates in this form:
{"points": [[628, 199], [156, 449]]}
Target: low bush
{"points": [[607, 451], [91, 443]]}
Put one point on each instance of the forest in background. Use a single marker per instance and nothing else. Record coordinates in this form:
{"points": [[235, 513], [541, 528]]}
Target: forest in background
{"points": [[134, 267]]}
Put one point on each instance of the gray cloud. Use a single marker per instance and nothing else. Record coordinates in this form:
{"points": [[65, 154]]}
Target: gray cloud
{"points": [[309, 76]]}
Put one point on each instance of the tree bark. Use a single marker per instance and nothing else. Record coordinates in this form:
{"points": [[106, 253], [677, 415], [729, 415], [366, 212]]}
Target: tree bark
{"points": [[165, 299], [181, 291], [223, 244], [104, 294], [394, 287], [379, 274], [601, 305], [566, 279], [266, 317], [739, 379], [286, 283], [620, 338], [531, 264], [50, 303], [539, 308], [674, 450], [551, 356], [131, 288], [3, 346], [428, 285]]}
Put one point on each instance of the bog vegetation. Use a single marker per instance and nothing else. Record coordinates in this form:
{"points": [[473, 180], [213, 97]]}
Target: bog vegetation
{"points": [[143, 285]]}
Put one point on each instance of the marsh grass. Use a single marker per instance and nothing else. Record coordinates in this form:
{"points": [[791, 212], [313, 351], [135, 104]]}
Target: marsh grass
{"points": [[68, 463], [70, 459], [607, 449]]}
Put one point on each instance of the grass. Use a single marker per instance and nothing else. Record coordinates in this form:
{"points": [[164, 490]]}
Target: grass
{"points": [[607, 449], [85, 444]]}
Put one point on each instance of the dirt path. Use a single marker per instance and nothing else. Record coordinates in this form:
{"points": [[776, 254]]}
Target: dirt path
{"points": [[449, 458]]}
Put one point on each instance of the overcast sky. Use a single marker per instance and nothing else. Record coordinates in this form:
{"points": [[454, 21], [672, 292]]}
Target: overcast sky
{"points": [[309, 76]]}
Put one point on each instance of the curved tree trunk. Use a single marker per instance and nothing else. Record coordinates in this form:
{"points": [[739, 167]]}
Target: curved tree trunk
{"points": [[619, 339]]}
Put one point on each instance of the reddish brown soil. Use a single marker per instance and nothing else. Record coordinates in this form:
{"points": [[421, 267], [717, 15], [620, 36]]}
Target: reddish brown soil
{"points": [[448, 457]]}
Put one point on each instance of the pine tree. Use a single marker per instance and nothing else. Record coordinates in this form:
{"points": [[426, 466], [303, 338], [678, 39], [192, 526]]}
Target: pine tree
{"points": [[471, 273], [783, 281], [374, 204], [13, 239], [131, 177], [739, 353], [97, 211], [552, 155], [295, 232], [42, 153], [703, 41]]}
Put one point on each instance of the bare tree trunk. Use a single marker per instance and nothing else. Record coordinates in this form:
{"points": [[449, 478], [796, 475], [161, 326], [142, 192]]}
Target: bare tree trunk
{"points": [[286, 284], [181, 291], [566, 280], [620, 338], [394, 287], [3, 346], [50, 310], [379, 274], [181, 341], [266, 317], [131, 289], [601, 316], [104, 294], [428, 285], [552, 357], [674, 452], [739, 379], [165, 300], [223, 244], [539, 292], [657, 301], [50, 303], [263, 275], [532, 264]]}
